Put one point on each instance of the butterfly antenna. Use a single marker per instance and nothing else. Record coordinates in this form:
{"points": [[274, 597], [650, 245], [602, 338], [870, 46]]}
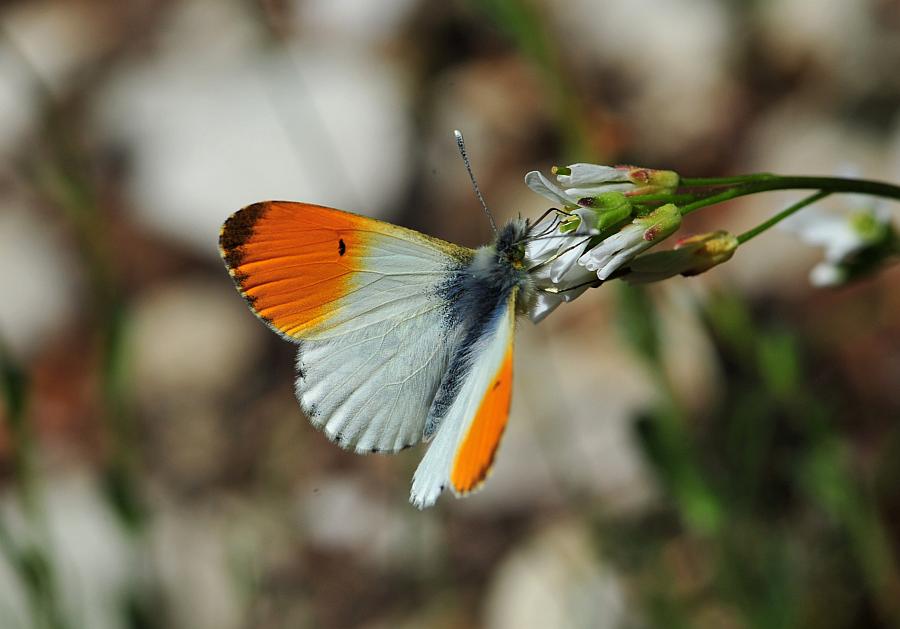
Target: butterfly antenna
{"points": [[461, 144]]}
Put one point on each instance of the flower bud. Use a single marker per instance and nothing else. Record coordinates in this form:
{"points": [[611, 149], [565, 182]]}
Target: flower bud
{"points": [[609, 208], [691, 256], [642, 233]]}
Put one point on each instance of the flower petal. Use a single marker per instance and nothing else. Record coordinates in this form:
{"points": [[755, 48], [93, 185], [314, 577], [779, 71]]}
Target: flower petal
{"points": [[547, 189], [564, 263], [593, 190], [581, 174], [588, 218], [826, 274], [543, 305]]}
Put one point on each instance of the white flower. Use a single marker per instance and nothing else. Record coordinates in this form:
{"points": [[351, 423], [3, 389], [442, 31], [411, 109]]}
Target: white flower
{"points": [[547, 189], [856, 241], [552, 256], [636, 237]]}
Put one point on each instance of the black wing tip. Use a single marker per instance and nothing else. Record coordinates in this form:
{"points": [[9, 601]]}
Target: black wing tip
{"points": [[237, 230]]}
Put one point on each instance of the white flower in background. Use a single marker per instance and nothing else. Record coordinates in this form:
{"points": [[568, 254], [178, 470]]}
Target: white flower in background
{"points": [[856, 242], [691, 256], [634, 238], [579, 183]]}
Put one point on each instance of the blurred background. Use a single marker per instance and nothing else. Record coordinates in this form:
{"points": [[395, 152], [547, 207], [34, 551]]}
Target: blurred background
{"points": [[716, 452]]}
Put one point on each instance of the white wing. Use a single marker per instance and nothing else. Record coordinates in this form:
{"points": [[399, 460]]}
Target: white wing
{"points": [[369, 385]]}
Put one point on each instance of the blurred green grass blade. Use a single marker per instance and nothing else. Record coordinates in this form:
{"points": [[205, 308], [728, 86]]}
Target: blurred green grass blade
{"points": [[638, 322], [779, 363], [667, 448]]}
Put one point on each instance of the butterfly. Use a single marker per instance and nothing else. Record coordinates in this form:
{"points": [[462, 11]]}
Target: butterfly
{"points": [[401, 338]]}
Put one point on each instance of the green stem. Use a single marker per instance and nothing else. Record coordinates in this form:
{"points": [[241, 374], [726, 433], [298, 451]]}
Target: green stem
{"points": [[767, 183], [747, 235], [665, 197], [701, 182]]}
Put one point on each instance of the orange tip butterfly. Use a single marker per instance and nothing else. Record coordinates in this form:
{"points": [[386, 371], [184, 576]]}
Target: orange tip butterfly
{"points": [[400, 337]]}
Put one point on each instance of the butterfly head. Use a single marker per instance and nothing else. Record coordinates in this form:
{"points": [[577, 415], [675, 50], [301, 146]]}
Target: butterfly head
{"points": [[511, 244]]}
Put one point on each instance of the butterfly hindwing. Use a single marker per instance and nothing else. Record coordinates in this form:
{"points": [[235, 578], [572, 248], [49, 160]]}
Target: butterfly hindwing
{"points": [[362, 300], [462, 453]]}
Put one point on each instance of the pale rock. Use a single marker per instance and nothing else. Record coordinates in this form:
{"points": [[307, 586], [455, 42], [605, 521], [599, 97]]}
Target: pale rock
{"points": [[210, 131], [675, 54], [556, 579], [836, 33], [56, 39], [192, 338], [360, 24], [202, 559], [42, 282], [338, 513]]}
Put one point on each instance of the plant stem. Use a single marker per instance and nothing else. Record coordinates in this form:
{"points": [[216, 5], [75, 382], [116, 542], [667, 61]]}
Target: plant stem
{"points": [[767, 183], [747, 235], [701, 182], [665, 197]]}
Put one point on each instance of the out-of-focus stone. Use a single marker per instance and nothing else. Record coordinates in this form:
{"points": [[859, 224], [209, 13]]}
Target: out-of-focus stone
{"points": [[47, 44], [338, 513], [355, 23], [206, 561], [57, 38], [41, 279], [834, 33], [18, 106], [556, 579], [673, 55], [192, 338], [209, 131]]}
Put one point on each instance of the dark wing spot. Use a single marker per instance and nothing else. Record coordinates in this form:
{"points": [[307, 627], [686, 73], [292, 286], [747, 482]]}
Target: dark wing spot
{"points": [[496, 384], [342, 248], [237, 230], [375, 450]]}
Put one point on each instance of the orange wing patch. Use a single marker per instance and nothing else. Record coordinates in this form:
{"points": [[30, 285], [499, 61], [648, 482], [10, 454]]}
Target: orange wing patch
{"points": [[293, 261], [475, 456]]}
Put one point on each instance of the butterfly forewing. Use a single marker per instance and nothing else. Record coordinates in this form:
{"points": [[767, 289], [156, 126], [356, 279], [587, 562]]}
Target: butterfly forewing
{"points": [[362, 299]]}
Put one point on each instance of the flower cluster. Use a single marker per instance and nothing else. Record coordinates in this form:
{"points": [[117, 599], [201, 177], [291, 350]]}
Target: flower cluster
{"points": [[598, 229], [607, 217]]}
